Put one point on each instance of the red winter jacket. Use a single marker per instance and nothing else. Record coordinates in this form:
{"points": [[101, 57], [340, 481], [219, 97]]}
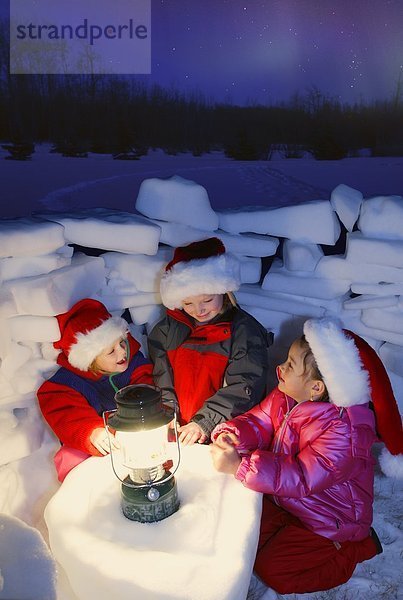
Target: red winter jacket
{"points": [[68, 412], [313, 458], [213, 371]]}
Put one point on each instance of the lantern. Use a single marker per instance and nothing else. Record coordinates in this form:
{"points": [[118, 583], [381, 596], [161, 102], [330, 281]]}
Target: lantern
{"points": [[141, 420]]}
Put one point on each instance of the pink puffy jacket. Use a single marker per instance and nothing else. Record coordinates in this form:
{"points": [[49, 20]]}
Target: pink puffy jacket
{"points": [[313, 458]]}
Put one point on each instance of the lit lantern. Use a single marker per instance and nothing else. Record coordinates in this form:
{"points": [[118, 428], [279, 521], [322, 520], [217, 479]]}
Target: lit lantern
{"points": [[141, 420]]}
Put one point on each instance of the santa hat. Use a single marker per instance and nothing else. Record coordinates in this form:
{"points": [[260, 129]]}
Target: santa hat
{"points": [[199, 268], [354, 374], [86, 330]]}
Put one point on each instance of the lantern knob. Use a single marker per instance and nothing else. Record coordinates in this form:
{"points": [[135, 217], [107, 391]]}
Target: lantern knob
{"points": [[153, 494]]}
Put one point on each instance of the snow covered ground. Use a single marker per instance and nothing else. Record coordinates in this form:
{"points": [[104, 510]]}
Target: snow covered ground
{"points": [[52, 182], [41, 279]]}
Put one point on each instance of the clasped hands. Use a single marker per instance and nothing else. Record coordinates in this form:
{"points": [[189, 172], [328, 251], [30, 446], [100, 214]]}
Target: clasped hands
{"points": [[224, 453]]}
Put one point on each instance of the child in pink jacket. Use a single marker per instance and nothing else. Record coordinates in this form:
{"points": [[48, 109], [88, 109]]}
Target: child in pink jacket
{"points": [[307, 448]]}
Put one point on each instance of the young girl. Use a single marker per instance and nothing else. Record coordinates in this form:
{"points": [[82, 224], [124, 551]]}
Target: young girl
{"points": [[210, 357], [98, 356], [307, 447]]}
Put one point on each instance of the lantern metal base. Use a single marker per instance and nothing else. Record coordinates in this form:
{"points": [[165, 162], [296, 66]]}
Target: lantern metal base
{"points": [[138, 503]]}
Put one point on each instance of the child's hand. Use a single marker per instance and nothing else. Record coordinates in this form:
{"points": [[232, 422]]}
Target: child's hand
{"points": [[190, 434], [99, 439], [225, 457], [225, 438]]}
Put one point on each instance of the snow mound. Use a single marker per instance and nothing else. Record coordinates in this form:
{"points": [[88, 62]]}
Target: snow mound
{"points": [[177, 200], [23, 551], [205, 550]]}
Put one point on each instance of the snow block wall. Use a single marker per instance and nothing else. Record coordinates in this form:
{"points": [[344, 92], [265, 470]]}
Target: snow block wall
{"points": [[43, 274]]}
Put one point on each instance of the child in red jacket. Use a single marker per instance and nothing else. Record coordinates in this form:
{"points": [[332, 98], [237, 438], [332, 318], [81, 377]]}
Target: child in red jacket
{"points": [[209, 355], [98, 356], [307, 447]]}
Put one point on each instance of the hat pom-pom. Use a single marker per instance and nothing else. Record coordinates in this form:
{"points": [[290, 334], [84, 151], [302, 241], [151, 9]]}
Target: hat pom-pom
{"points": [[391, 465]]}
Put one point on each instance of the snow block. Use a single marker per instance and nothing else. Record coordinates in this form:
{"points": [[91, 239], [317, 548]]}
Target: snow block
{"points": [[382, 217], [17, 355], [115, 285], [361, 249], [151, 313], [272, 320], [21, 433], [31, 376], [367, 301], [176, 200], [301, 257], [389, 319], [48, 352], [144, 272], [251, 244], [257, 297], [178, 234], [366, 331], [336, 267], [346, 202], [29, 237], [392, 358], [250, 269], [29, 266], [56, 292], [312, 222], [302, 283], [33, 328], [108, 229], [378, 289], [116, 302], [254, 245]]}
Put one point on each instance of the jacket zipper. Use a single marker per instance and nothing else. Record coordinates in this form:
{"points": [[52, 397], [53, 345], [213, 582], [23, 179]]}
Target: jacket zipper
{"points": [[279, 438]]}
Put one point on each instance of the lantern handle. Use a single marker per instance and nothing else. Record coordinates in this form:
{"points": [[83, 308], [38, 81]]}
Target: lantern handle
{"points": [[105, 416]]}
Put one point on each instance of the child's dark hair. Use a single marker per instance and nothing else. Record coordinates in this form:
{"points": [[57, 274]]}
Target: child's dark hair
{"points": [[310, 366]]}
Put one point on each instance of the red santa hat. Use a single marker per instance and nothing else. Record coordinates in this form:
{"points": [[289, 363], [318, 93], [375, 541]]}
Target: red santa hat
{"points": [[199, 268], [354, 374], [86, 330]]}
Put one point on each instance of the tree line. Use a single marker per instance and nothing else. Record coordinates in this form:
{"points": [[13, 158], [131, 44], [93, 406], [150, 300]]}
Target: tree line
{"points": [[122, 115]]}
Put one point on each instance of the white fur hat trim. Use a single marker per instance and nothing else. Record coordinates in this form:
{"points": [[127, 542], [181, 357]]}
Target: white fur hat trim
{"points": [[338, 361], [391, 465], [213, 275], [90, 344]]}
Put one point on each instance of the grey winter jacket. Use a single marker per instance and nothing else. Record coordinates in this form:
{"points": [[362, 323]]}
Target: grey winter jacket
{"points": [[213, 371]]}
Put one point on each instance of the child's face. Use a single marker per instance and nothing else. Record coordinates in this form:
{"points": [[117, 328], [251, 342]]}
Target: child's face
{"points": [[204, 307], [113, 359], [293, 380]]}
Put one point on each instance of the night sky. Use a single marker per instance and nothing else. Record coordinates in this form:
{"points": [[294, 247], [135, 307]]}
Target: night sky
{"points": [[244, 51], [263, 52]]}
